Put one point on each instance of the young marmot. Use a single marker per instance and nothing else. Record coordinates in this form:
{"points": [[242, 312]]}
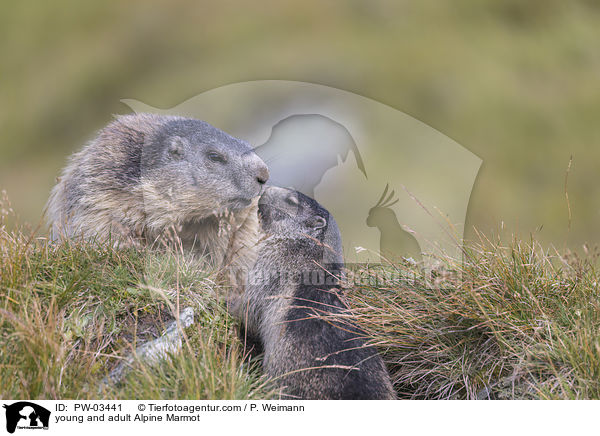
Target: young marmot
{"points": [[145, 175], [290, 303]]}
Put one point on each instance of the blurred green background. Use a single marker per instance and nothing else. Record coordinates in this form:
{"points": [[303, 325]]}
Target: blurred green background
{"points": [[516, 82]]}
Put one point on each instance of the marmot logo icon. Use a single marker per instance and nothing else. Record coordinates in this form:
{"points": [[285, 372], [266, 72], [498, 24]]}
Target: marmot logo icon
{"points": [[26, 415]]}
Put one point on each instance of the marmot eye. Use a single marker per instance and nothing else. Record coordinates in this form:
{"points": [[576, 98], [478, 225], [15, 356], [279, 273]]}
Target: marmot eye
{"points": [[216, 157], [292, 200]]}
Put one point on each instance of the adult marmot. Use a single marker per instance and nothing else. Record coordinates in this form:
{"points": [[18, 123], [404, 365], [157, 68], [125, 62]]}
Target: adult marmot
{"points": [[145, 174], [291, 295]]}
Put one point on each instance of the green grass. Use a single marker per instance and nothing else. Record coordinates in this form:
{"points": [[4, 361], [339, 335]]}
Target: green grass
{"points": [[69, 313], [508, 322]]}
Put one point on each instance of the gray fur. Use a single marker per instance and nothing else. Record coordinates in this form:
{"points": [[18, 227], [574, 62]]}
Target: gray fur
{"points": [[290, 301], [146, 175]]}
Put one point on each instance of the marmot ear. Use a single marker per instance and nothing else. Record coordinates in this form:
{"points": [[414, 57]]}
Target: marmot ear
{"points": [[176, 146], [316, 222]]}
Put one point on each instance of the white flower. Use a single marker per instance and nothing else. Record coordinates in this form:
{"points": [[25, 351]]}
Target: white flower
{"points": [[410, 261]]}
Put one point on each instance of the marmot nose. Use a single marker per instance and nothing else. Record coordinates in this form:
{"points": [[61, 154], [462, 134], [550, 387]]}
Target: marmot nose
{"points": [[256, 168], [262, 174]]}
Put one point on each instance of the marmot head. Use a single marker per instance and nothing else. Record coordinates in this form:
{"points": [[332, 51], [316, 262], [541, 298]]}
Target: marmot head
{"points": [[199, 169], [290, 214]]}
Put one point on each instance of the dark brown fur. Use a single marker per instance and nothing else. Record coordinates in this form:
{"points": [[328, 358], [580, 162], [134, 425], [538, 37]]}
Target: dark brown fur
{"points": [[292, 305]]}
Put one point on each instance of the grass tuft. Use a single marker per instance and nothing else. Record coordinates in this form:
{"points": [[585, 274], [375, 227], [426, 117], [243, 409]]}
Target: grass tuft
{"points": [[510, 322], [70, 312]]}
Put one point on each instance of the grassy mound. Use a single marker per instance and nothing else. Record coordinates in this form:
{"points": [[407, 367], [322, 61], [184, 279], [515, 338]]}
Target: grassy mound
{"points": [[508, 322], [513, 322], [69, 313]]}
